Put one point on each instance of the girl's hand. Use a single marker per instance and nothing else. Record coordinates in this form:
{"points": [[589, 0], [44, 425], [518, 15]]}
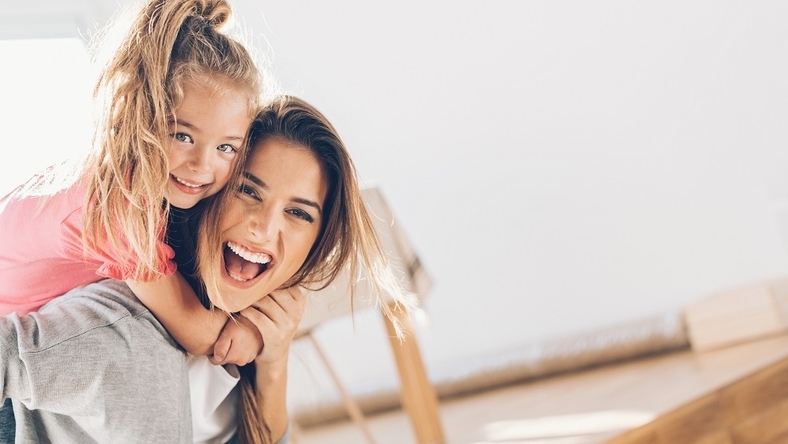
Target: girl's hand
{"points": [[277, 317], [239, 343]]}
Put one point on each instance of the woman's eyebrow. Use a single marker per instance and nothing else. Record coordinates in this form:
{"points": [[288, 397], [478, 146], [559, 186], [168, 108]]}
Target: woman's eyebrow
{"points": [[310, 203], [257, 181]]}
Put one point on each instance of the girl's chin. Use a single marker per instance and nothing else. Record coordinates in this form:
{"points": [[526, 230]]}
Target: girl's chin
{"points": [[182, 200]]}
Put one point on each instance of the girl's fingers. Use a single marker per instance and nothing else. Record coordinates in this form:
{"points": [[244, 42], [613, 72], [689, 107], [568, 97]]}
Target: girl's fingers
{"points": [[260, 320], [277, 316], [220, 349], [283, 306], [292, 300]]}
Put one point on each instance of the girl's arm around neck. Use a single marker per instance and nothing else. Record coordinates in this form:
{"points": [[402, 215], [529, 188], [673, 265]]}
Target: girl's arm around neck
{"points": [[175, 305]]}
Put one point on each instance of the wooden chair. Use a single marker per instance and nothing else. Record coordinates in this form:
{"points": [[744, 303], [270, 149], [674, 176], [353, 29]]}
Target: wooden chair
{"points": [[417, 394]]}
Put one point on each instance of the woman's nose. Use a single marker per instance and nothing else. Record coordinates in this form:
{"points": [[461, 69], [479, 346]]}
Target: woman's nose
{"points": [[265, 225]]}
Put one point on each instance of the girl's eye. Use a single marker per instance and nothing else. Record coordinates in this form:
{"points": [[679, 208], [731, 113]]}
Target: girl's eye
{"points": [[227, 148], [301, 214], [181, 137]]}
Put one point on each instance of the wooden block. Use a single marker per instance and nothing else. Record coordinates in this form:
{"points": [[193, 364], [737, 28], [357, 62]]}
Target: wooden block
{"points": [[637, 436], [719, 437], [764, 426], [698, 419], [729, 303], [751, 410], [780, 291], [729, 332], [734, 316], [782, 439]]}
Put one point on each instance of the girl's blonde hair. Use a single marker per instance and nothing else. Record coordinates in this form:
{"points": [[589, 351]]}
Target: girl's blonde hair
{"points": [[170, 42], [347, 240]]}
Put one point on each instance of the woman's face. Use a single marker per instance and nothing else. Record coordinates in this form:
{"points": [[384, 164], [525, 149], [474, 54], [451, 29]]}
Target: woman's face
{"points": [[271, 223]]}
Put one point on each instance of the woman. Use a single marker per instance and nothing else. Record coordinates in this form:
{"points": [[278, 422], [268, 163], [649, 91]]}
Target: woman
{"points": [[109, 373]]}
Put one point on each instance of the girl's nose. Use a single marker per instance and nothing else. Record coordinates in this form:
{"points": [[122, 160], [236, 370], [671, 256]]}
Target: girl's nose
{"points": [[198, 161]]}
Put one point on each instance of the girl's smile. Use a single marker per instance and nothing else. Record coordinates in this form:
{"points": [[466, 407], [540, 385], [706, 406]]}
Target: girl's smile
{"points": [[207, 133]]}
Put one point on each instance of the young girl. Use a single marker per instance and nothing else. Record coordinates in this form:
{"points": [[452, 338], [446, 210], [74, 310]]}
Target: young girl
{"points": [[297, 218], [179, 96]]}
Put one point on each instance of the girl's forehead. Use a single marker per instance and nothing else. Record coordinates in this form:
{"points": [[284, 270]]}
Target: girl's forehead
{"points": [[214, 86]]}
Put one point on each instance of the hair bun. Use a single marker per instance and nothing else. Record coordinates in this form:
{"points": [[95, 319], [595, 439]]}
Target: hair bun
{"points": [[215, 12]]}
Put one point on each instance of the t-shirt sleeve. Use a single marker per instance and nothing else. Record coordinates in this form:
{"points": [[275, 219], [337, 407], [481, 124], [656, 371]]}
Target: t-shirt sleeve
{"points": [[114, 261], [285, 439], [112, 268], [94, 355]]}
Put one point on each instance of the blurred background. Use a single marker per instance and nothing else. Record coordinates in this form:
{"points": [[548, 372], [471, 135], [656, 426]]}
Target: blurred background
{"points": [[560, 167]]}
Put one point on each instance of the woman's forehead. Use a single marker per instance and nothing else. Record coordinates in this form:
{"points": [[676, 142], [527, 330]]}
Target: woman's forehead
{"points": [[287, 167]]}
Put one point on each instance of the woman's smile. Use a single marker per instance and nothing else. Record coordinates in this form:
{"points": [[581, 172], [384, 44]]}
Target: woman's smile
{"points": [[270, 225], [243, 264]]}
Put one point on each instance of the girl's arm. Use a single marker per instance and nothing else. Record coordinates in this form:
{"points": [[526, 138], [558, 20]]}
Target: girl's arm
{"points": [[277, 317], [172, 300]]}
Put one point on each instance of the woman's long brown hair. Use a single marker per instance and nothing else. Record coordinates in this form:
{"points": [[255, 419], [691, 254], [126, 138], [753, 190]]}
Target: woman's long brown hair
{"points": [[347, 241]]}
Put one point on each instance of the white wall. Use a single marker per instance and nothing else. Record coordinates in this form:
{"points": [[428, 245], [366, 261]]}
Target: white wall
{"points": [[560, 166]]}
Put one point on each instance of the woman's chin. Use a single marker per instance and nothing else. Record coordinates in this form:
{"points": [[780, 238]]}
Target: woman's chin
{"points": [[221, 304], [240, 294], [231, 302]]}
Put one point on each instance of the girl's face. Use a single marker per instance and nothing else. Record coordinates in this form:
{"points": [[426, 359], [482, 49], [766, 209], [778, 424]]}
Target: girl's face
{"points": [[271, 223], [209, 129]]}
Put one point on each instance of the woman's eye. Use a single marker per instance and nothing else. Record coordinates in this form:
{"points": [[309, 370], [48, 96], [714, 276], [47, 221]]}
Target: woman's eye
{"points": [[301, 214], [227, 148], [181, 137], [248, 190]]}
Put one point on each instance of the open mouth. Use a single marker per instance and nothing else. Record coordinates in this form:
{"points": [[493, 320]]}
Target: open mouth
{"points": [[242, 264]]}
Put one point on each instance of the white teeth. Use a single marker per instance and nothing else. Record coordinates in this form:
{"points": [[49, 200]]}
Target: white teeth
{"points": [[188, 184], [236, 277], [257, 258]]}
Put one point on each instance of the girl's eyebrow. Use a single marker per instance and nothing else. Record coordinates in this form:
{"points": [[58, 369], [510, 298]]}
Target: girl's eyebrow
{"points": [[193, 128], [257, 181]]}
